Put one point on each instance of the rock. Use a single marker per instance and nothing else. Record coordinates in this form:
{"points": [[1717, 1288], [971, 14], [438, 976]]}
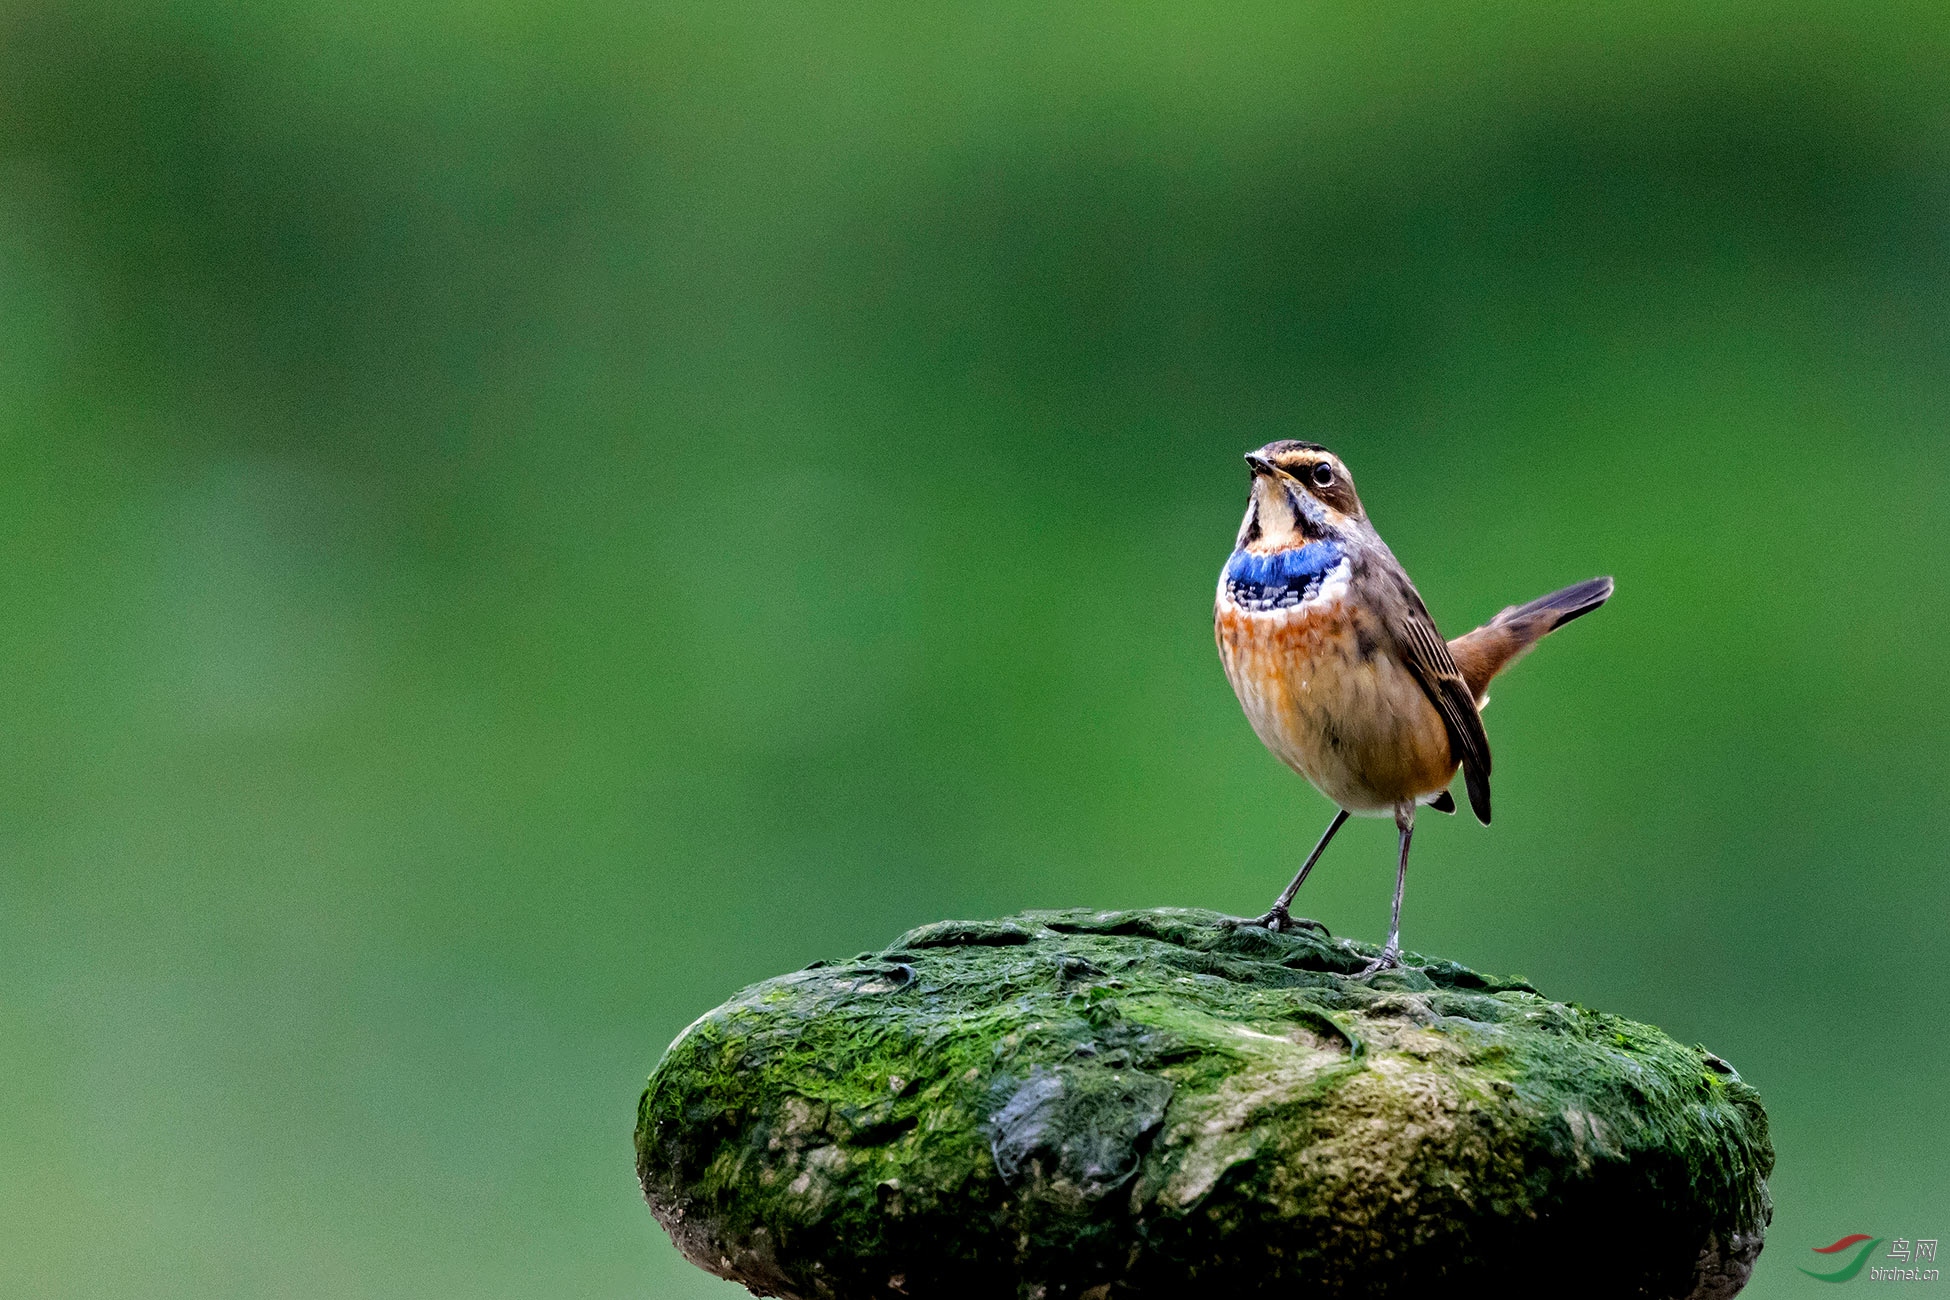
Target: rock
{"points": [[1108, 1105]]}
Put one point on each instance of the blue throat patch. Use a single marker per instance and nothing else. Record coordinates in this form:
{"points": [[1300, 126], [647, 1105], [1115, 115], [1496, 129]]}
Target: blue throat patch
{"points": [[1282, 579]]}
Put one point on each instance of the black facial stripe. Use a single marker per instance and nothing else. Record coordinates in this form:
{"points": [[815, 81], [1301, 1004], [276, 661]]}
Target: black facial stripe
{"points": [[1300, 520], [1250, 533]]}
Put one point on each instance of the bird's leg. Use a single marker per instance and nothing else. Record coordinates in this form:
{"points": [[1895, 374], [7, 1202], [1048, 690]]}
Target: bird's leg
{"points": [[1391, 952], [1278, 918]]}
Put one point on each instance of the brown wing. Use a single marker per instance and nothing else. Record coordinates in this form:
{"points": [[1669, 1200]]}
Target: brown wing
{"points": [[1428, 658]]}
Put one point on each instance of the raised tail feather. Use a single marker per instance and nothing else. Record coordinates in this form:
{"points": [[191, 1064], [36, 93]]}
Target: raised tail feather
{"points": [[1503, 640]]}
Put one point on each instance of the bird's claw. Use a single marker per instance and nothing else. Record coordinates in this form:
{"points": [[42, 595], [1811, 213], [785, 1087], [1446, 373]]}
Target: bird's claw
{"points": [[1390, 959], [1280, 921]]}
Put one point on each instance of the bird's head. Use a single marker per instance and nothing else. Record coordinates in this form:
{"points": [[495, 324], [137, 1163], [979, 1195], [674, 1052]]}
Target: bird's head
{"points": [[1301, 493]]}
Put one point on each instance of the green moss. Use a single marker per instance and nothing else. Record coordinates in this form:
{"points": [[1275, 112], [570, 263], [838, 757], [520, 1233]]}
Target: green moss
{"points": [[1137, 1103]]}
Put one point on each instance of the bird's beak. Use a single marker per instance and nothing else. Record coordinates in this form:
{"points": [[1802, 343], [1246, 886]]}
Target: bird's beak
{"points": [[1259, 463]]}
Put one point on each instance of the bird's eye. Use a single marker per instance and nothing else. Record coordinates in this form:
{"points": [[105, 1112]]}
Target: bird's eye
{"points": [[1323, 475]]}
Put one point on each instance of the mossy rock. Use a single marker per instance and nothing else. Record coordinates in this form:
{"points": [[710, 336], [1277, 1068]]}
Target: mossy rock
{"points": [[1158, 1103]]}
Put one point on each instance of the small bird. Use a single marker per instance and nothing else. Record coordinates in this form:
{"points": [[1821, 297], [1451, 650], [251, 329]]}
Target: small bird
{"points": [[1339, 666]]}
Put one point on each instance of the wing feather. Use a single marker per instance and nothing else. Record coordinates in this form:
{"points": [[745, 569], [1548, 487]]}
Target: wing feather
{"points": [[1429, 659]]}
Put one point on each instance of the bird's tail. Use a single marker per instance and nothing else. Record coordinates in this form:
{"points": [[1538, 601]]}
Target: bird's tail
{"points": [[1503, 640]]}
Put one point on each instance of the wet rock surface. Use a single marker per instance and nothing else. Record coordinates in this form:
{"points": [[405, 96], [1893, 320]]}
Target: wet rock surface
{"points": [[1157, 1103]]}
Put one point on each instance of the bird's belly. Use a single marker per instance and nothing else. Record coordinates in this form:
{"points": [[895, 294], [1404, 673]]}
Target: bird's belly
{"points": [[1329, 700]]}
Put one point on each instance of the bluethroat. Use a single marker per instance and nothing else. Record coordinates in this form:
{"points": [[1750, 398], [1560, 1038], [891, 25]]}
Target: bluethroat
{"points": [[1340, 668]]}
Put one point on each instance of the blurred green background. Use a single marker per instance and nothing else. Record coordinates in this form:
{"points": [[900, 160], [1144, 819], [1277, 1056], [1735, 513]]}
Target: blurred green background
{"points": [[519, 519]]}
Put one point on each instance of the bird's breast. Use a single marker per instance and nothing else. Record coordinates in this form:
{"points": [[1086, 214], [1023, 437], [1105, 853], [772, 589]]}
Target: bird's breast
{"points": [[1314, 675]]}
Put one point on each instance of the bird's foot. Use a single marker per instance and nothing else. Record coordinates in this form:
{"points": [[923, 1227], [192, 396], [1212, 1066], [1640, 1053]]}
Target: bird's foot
{"points": [[1390, 959], [1281, 921]]}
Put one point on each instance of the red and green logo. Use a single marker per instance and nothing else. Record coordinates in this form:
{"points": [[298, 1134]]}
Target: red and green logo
{"points": [[1860, 1243]]}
